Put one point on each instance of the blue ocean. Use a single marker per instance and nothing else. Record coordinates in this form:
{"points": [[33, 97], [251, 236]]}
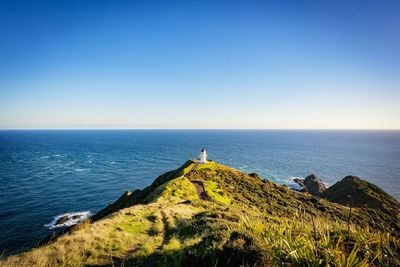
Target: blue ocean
{"points": [[47, 173]]}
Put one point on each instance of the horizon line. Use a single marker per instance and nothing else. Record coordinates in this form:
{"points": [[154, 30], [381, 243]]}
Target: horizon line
{"points": [[203, 129]]}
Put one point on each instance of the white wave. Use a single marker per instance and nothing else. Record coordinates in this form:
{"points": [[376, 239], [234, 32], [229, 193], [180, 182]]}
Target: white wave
{"points": [[82, 216], [291, 183], [45, 157], [80, 169]]}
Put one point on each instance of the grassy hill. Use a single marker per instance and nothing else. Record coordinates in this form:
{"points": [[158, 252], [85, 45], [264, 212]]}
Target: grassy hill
{"points": [[214, 215], [360, 194]]}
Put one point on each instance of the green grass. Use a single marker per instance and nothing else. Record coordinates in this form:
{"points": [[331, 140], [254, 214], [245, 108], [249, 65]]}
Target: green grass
{"points": [[212, 165], [175, 190], [322, 243], [251, 222], [216, 193]]}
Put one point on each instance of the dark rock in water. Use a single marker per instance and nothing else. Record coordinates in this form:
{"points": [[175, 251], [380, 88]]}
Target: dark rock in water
{"points": [[66, 218], [254, 175], [362, 194], [62, 220], [300, 182], [313, 185]]}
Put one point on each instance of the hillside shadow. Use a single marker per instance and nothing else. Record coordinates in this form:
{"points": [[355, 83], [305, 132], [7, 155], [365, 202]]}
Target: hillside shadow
{"points": [[238, 250]]}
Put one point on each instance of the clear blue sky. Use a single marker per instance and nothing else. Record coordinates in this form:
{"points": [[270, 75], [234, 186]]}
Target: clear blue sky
{"points": [[204, 64]]}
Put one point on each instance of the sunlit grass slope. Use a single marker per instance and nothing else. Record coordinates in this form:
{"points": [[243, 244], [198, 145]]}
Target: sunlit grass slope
{"points": [[245, 221]]}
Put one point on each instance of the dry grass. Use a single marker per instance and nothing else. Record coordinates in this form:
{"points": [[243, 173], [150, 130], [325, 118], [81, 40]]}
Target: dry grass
{"points": [[250, 223], [134, 231]]}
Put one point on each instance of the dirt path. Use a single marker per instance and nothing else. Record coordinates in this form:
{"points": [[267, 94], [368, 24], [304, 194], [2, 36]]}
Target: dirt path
{"points": [[120, 261], [201, 191]]}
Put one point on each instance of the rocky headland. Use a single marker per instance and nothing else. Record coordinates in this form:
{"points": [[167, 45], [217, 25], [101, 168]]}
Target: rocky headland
{"points": [[214, 215]]}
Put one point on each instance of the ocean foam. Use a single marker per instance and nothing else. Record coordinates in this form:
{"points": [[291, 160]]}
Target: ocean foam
{"points": [[52, 225], [292, 184]]}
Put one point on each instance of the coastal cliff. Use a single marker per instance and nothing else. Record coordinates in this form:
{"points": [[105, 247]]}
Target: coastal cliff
{"points": [[214, 215]]}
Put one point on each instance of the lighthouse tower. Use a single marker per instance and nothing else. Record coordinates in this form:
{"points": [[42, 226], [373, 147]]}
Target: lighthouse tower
{"points": [[203, 156]]}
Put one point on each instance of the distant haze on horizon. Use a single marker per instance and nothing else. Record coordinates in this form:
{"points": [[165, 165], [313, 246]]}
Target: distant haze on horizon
{"points": [[206, 65]]}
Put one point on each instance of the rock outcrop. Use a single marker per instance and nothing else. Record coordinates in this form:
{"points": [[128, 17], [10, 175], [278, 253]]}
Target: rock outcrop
{"points": [[254, 175], [311, 184], [314, 185]]}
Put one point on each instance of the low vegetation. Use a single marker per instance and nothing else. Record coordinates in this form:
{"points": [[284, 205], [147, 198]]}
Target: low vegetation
{"points": [[246, 221]]}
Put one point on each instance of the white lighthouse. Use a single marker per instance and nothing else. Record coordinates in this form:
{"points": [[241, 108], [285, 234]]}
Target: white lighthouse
{"points": [[203, 156]]}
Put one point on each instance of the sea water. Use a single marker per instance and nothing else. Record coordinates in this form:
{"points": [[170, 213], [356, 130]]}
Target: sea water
{"points": [[45, 174]]}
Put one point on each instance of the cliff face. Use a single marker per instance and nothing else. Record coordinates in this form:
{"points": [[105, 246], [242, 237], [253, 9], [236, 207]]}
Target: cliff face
{"points": [[214, 215]]}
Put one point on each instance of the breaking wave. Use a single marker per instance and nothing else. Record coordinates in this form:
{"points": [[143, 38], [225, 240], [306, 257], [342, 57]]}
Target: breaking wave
{"points": [[292, 184], [71, 218]]}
